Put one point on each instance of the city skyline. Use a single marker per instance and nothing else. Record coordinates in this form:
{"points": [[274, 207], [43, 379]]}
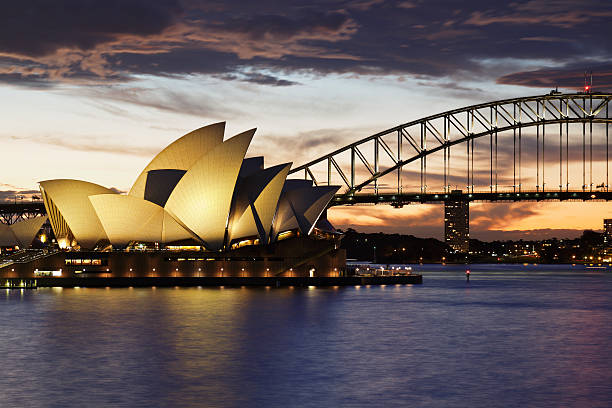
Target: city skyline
{"points": [[114, 83]]}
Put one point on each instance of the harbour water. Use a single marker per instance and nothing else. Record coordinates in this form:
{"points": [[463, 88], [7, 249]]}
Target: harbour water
{"points": [[528, 336]]}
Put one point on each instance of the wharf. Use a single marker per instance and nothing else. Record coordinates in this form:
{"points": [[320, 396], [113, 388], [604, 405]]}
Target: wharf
{"points": [[217, 281], [18, 283]]}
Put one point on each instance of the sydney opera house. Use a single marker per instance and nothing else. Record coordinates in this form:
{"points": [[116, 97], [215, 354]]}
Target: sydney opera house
{"points": [[199, 208], [22, 233]]}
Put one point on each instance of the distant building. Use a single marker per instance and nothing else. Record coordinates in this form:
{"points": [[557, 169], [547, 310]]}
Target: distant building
{"points": [[607, 234], [457, 222]]}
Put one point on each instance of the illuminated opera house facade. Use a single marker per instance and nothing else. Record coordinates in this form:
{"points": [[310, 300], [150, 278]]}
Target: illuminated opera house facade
{"points": [[199, 208]]}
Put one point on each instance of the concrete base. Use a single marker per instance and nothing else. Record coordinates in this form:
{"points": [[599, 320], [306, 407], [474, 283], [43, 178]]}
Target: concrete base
{"points": [[294, 257]]}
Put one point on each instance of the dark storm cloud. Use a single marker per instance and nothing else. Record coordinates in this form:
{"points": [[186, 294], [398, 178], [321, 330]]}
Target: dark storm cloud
{"points": [[265, 27], [41, 27], [259, 42], [182, 61], [25, 80], [258, 78]]}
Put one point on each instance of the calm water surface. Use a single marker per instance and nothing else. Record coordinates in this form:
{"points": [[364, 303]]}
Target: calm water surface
{"points": [[526, 337]]}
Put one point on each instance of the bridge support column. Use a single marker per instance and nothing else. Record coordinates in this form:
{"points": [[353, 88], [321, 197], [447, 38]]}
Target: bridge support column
{"points": [[457, 221]]}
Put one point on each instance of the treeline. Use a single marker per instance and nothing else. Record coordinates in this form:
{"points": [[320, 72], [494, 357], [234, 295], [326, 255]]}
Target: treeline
{"points": [[393, 248], [396, 248]]}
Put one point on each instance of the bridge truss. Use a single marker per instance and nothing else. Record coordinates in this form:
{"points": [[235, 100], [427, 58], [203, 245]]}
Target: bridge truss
{"points": [[553, 133], [10, 213]]}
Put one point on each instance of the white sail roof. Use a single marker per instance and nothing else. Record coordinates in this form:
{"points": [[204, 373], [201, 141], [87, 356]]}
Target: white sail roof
{"points": [[301, 207], [199, 187], [202, 198], [126, 218], [7, 237], [71, 199], [25, 230], [182, 153], [255, 202]]}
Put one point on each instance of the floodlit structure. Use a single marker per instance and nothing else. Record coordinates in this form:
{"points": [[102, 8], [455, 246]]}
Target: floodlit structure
{"points": [[71, 214], [301, 205], [22, 233], [200, 190]]}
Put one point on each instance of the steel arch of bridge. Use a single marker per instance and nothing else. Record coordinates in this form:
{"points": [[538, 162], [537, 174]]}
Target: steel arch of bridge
{"points": [[440, 132]]}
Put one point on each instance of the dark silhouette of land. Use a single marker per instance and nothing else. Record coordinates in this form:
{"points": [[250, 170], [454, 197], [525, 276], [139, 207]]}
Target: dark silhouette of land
{"points": [[396, 248]]}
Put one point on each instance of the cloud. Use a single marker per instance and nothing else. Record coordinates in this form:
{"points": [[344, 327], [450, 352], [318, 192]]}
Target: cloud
{"points": [[40, 28], [499, 221], [28, 81], [311, 25], [161, 97], [303, 146], [259, 78], [113, 41], [565, 14], [500, 215], [487, 222], [18, 195], [569, 76], [98, 145], [418, 220]]}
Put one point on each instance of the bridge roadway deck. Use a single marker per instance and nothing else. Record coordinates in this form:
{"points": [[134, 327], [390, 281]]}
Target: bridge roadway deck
{"points": [[24, 207], [441, 197]]}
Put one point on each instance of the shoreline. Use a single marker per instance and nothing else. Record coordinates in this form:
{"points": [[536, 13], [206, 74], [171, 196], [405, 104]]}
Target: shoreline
{"points": [[233, 281]]}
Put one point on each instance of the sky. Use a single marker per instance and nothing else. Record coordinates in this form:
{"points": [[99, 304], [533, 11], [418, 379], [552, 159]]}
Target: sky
{"points": [[94, 89]]}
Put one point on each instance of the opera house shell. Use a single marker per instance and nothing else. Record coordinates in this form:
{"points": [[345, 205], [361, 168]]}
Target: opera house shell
{"points": [[22, 233], [199, 189]]}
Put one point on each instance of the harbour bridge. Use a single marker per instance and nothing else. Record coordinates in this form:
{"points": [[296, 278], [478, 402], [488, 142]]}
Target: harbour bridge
{"points": [[550, 147], [559, 131]]}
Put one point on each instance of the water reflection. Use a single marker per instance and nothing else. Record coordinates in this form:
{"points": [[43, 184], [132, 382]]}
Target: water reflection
{"points": [[500, 341]]}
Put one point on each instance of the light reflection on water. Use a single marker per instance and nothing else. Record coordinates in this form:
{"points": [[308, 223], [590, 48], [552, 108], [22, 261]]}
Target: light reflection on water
{"points": [[535, 337]]}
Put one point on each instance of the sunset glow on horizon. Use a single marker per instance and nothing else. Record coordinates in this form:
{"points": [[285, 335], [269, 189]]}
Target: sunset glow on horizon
{"points": [[94, 92]]}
